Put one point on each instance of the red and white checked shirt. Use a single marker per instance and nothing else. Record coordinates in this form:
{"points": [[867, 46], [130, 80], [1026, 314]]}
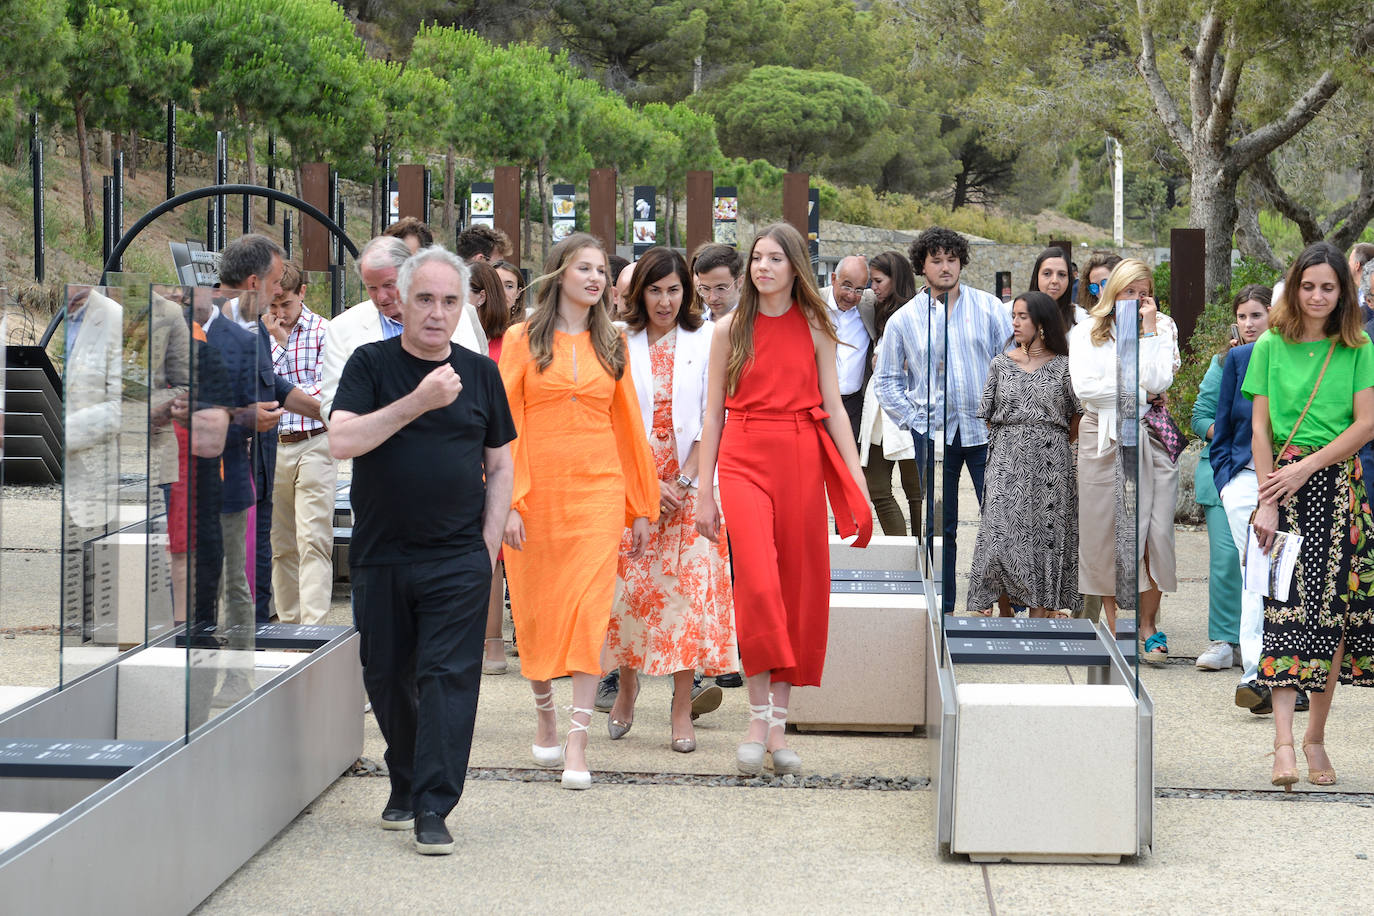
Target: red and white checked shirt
{"points": [[300, 361]]}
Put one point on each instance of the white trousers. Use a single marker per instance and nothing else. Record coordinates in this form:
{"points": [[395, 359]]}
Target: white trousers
{"points": [[1239, 497]]}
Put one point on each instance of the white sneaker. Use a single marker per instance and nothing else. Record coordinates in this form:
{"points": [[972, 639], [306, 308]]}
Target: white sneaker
{"points": [[1217, 657]]}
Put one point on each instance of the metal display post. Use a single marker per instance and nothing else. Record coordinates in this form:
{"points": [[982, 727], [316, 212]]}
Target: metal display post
{"points": [[36, 165], [171, 152], [271, 178]]}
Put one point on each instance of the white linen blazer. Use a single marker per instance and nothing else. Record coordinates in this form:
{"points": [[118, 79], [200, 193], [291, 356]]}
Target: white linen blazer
{"points": [[691, 357], [361, 324]]}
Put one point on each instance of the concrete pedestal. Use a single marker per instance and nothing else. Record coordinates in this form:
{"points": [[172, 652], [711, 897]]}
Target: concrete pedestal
{"points": [[152, 697], [11, 697], [1009, 806], [132, 589], [16, 825], [882, 552], [875, 667]]}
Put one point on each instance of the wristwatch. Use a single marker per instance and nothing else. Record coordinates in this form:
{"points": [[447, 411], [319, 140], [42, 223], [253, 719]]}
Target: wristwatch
{"points": [[683, 480]]}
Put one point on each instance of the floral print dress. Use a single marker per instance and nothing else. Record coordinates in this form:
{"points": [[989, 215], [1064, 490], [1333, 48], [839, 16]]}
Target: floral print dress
{"points": [[674, 610]]}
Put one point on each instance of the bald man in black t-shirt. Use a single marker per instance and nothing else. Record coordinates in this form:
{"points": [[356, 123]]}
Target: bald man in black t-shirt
{"points": [[428, 428]]}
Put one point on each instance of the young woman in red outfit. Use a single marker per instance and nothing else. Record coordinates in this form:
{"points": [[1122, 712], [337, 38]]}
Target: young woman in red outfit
{"points": [[776, 430]]}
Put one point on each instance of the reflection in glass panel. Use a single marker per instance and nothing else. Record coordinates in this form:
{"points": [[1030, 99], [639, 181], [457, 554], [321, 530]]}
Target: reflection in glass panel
{"points": [[30, 604], [218, 521], [1132, 463], [93, 417]]}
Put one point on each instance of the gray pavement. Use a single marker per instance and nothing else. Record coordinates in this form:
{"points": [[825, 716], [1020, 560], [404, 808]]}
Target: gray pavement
{"points": [[676, 833]]}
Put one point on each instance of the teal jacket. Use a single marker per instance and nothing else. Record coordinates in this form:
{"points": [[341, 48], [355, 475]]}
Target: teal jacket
{"points": [[1204, 413]]}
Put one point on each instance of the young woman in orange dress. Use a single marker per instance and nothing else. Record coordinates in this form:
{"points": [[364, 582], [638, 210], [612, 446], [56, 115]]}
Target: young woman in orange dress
{"points": [[583, 473], [674, 614], [777, 428]]}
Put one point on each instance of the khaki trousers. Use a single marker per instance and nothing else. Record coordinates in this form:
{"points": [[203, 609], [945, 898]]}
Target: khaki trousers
{"points": [[303, 530]]}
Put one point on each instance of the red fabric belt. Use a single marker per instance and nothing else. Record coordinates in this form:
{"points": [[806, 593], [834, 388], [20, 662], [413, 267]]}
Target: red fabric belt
{"points": [[852, 515]]}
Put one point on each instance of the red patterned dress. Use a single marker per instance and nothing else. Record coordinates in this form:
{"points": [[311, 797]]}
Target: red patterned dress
{"points": [[673, 609]]}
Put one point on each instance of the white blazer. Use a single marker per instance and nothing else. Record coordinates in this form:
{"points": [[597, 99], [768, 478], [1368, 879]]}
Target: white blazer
{"points": [[361, 324], [691, 357]]}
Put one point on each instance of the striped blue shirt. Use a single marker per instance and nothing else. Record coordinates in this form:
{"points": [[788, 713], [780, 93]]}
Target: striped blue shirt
{"points": [[390, 326], [914, 352]]}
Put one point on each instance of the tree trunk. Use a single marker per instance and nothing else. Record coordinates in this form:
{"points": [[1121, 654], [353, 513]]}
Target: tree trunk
{"points": [[449, 156], [373, 213], [131, 160], [960, 190], [248, 152], [1249, 238], [106, 147], [83, 154], [543, 208], [1213, 209], [21, 131]]}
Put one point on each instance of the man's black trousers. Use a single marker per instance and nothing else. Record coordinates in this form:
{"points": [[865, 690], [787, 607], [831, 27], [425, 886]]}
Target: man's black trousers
{"points": [[421, 626]]}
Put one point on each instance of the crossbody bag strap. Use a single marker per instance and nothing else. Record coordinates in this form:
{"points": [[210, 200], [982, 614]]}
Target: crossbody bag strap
{"points": [[1310, 398]]}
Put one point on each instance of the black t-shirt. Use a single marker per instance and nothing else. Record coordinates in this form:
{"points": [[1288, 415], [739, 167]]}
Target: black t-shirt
{"points": [[419, 495]]}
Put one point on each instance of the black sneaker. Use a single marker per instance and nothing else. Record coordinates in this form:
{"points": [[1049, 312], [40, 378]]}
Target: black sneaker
{"points": [[397, 815], [1303, 702], [431, 836], [733, 679], [606, 691]]}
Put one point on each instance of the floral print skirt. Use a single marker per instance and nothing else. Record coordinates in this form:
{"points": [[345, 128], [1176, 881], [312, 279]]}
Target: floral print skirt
{"points": [[1333, 585]]}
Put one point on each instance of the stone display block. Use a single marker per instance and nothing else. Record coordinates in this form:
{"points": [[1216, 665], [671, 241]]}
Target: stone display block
{"points": [[882, 552], [11, 697], [128, 568], [151, 703], [15, 825], [875, 667], [1007, 808], [77, 660]]}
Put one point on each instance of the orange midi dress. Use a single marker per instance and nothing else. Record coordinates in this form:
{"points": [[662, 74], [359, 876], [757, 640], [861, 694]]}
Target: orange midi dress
{"points": [[673, 609], [777, 461], [583, 472]]}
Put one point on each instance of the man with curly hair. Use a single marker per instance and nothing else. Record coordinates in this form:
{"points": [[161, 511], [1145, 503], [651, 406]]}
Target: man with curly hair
{"points": [[934, 362]]}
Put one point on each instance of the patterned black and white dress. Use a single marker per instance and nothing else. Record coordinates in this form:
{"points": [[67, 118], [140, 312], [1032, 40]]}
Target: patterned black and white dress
{"points": [[1028, 539]]}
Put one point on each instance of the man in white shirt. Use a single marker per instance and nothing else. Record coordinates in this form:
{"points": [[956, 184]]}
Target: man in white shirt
{"points": [[717, 270], [850, 304], [379, 316]]}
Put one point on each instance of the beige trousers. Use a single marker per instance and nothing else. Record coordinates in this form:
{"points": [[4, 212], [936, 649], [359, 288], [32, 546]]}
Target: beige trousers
{"points": [[303, 530]]}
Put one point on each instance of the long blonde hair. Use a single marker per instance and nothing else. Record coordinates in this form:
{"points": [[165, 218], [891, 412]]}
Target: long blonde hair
{"points": [[804, 293], [1130, 270], [606, 339]]}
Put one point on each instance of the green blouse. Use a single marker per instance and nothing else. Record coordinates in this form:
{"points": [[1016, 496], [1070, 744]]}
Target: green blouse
{"points": [[1285, 372]]}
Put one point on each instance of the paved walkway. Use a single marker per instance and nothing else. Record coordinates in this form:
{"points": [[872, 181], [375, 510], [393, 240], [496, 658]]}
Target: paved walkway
{"points": [[672, 833]]}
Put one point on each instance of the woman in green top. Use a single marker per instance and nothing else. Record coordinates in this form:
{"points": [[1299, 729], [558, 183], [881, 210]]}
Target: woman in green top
{"points": [[1315, 489], [1251, 310]]}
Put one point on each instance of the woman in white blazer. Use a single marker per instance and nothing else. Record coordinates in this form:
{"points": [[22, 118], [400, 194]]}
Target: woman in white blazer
{"points": [[674, 614]]}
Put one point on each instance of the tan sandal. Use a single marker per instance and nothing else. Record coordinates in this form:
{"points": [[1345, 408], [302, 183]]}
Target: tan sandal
{"points": [[1325, 777]]}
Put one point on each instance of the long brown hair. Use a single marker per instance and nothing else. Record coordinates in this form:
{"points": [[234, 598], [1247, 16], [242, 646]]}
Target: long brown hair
{"points": [[655, 264], [606, 339], [494, 314], [1285, 317], [804, 293], [898, 269], [1123, 275]]}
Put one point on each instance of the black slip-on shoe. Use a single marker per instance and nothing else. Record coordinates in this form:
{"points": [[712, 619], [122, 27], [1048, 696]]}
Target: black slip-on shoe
{"points": [[431, 835]]}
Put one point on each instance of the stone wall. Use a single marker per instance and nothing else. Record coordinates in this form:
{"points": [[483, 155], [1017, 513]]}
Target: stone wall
{"points": [[986, 257]]}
